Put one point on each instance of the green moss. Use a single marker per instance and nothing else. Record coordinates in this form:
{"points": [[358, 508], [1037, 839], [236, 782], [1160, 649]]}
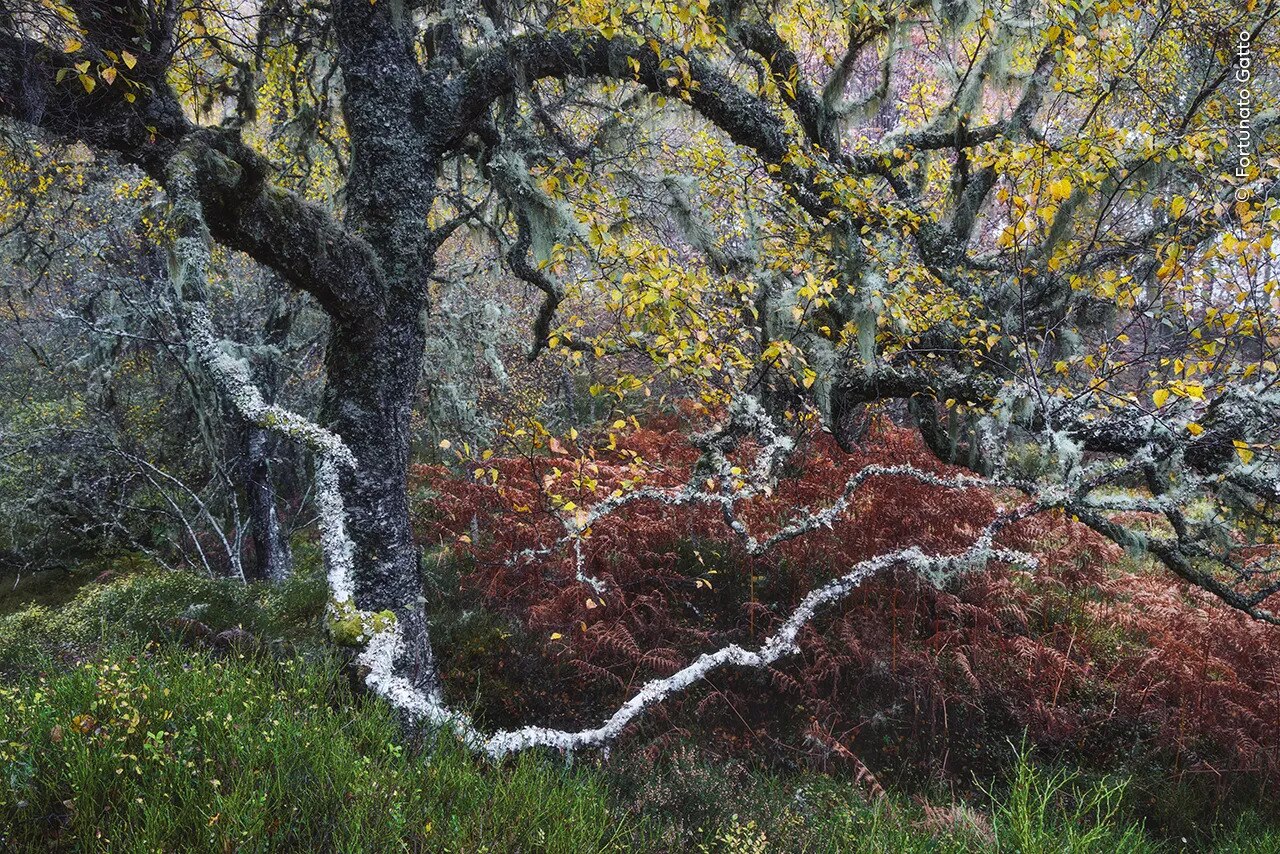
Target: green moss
{"points": [[349, 626], [151, 605]]}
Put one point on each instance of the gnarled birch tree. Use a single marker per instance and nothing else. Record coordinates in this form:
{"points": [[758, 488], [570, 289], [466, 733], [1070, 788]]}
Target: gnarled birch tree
{"points": [[1039, 225]]}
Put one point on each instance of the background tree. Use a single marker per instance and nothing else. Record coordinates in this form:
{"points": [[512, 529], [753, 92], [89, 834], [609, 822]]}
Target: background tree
{"points": [[114, 435]]}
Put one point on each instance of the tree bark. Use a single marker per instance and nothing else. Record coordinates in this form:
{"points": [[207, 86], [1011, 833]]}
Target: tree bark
{"points": [[273, 559], [372, 382], [374, 360]]}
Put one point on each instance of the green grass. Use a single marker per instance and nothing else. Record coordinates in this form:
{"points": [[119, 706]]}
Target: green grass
{"points": [[170, 749], [160, 747], [115, 735], [1050, 811], [695, 804], [148, 604]]}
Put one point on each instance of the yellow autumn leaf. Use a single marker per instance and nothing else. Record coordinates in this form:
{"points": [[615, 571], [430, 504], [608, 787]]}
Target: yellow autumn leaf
{"points": [[1194, 429], [72, 45], [1178, 206], [1243, 451], [129, 59], [1160, 396]]}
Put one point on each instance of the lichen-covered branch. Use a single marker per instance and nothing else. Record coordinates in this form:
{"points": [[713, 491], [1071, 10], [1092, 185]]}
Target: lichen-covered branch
{"points": [[733, 486], [381, 653], [189, 261]]}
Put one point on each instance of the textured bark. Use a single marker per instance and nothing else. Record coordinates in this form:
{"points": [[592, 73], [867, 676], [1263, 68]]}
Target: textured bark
{"points": [[374, 362], [372, 381], [273, 559]]}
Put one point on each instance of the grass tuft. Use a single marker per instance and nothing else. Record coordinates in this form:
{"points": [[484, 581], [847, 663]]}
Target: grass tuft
{"points": [[172, 749]]}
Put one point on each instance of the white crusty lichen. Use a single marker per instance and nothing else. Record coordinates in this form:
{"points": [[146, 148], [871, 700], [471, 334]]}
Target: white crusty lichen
{"points": [[232, 376], [382, 634], [189, 266], [335, 544], [733, 485], [427, 707]]}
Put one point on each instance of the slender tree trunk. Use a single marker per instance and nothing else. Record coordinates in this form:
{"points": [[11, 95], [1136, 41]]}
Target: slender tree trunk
{"points": [[273, 559]]}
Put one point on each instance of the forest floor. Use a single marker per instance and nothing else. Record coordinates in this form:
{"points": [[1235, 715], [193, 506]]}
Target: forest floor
{"points": [[129, 721]]}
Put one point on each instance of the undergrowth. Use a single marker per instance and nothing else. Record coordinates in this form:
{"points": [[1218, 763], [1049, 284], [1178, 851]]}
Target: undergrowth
{"points": [[154, 710], [154, 604], [130, 738], [1103, 660], [170, 749], [159, 747]]}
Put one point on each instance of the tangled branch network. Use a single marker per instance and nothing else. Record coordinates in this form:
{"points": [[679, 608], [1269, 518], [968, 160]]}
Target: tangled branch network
{"points": [[385, 645]]}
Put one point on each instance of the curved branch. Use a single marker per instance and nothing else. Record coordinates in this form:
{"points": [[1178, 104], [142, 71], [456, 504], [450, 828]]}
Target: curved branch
{"points": [[188, 268], [530, 272], [1172, 555], [745, 118], [244, 211], [784, 65], [774, 449], [385, 649]]}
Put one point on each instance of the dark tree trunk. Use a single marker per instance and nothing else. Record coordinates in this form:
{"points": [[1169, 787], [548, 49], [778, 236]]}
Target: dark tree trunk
{"points": [[373, 372], [273, 559], [375, 356]]}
